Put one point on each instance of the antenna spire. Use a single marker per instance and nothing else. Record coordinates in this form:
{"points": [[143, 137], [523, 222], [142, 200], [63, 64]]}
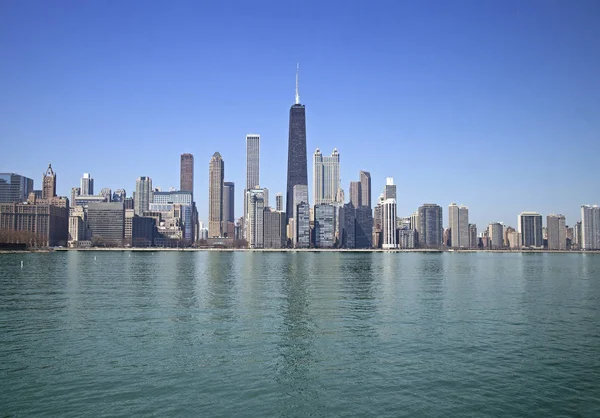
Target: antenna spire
{"points": [[297, 88]]}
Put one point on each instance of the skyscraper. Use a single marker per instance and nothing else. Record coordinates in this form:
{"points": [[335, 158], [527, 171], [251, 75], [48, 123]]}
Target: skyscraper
{"points": [[530, 229], [14, 188], [252, 161], [590, 227], [557, 232], [186, 176], [388, 215], [364, 227], [355, 194], [365, 188], [216, 174], [87, 185], [326, 177], [256, 206], [143, 195], [296, 169], [496, 235], [278, 202], [49, 183], [324, 225], [301, 216], [458, 221], [430, 226], [229, 201]]}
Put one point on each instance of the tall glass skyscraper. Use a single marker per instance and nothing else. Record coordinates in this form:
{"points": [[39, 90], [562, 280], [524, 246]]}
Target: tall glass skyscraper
{"points": [[296, 170]]}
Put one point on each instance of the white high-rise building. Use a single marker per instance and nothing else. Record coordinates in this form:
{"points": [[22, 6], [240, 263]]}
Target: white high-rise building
{"points": [[252, 175], [557, 232], [143, 195], [458, 221], [496, 235], [388, 215], [256, 206], [87, 185], [590, 227], [252, 161], [326, 177]]}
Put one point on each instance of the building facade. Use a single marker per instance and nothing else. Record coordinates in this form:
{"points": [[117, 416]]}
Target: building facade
{"points": [[87, 185], [557, 232], [229, 201], [326, 177], [389, 213], [365, 188], [324, 225], [106, 223], [186, 173], [49, 183], [530, 230], [347, 222], [364, 227], [252, 161], [296, 167], [143, 195], [496, 235], [216, 175], [44, 223], [274, 228], [14, 188], [430, 226], [355, 194], [590, 227], [255, 225], [458, 222]]}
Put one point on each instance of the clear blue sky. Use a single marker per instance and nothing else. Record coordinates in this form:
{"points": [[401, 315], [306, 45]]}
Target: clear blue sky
{"points": [[493, 104]]}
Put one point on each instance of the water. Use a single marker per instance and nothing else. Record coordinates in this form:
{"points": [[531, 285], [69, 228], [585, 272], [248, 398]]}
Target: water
{"points": [[299, 334]]}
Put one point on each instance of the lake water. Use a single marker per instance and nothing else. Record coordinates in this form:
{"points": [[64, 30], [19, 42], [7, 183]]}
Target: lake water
{"points": [[299, 334]]}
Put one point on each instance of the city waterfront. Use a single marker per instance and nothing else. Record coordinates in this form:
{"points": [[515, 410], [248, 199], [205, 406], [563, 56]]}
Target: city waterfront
{"points": [[226, 333]]}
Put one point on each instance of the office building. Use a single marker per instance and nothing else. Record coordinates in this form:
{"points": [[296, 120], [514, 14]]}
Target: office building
{"points": [[75, 192], [324, 225], [430, 226], [347, 226], [186, 175], [143, 195], [215, 196], [577, 234], [14, 188], [106, 193], [557, 232], [388, 212], [458, 222], [364, 227], [296, 168], [530, 230], [355, 194], [255, 220], [77, 225], [407, 238], [43, 223], [143, 231], [301, 217], [87, 185], [229, 201], [183, 198], [365, 189], [119, 195], [389, 192], [590, 227], [252, 161], [473, 240], [274, 228], [106, 223], [49, 183], [326, 177], [496, 235], [279, 202]]}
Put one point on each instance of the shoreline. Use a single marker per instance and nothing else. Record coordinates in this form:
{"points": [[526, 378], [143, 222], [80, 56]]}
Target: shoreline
{"points": [[303, 250]]}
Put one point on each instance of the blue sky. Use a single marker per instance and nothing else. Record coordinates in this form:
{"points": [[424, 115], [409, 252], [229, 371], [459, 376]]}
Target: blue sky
{"points": [[492, 104]]}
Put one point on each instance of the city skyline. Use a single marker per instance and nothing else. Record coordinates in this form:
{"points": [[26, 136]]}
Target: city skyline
{"points": [[473, 109]]}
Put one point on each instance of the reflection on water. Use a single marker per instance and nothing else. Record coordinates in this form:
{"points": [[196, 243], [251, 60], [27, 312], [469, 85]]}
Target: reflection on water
{"points": [[299, 334]]}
